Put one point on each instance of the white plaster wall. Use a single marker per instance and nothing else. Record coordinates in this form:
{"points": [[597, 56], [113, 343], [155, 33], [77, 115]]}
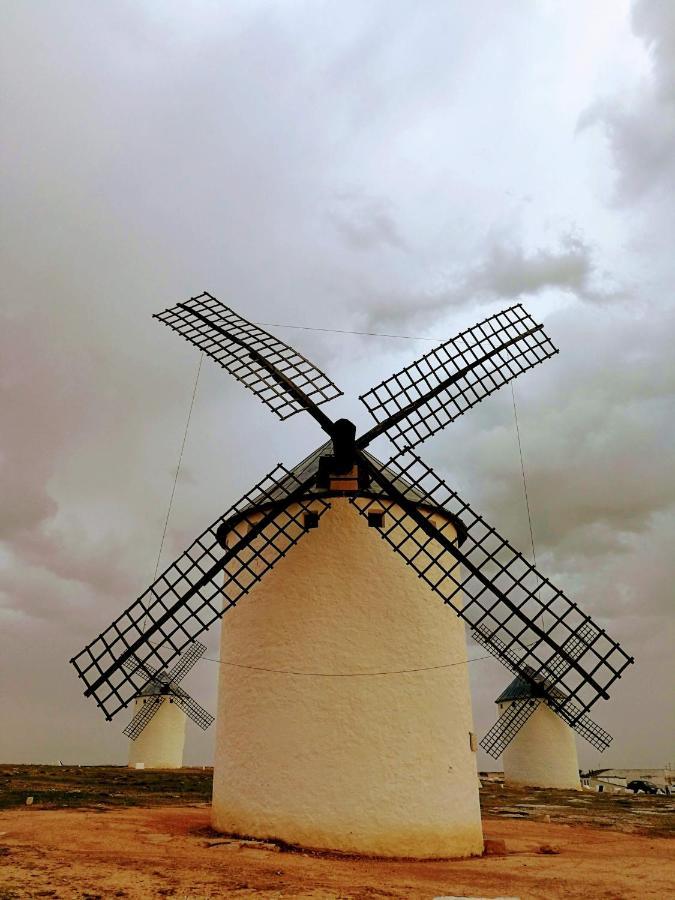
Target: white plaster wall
{"points": [[160, 744], [374, 765], [543, 753]]}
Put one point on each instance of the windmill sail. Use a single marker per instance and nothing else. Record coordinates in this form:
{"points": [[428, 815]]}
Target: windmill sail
{"points": [[523, 619], [195, 591], [507, 726], [442, 385], [495, 589], [242, 348], [146, 712], [161, 687]]}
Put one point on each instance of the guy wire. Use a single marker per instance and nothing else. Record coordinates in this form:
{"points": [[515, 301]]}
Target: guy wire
{"points": [[226, 662], [527, 499], [175, 480]]}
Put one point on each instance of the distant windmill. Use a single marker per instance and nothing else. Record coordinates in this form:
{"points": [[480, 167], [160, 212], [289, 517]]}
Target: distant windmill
{"points": [[157, 729], [536, 740], [339, 725]]}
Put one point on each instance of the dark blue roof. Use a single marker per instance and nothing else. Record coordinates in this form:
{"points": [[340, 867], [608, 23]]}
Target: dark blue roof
{"points": [[519, 689]]}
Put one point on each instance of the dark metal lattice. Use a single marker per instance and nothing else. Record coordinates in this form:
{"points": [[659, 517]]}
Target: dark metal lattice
{"points": [[233, 342], [424, 397], [507, 726], [132, 664], [487, 582], [149, 707], [162, 685], [187, 661], [186, 599], [191, 708], [575, 646], [496, 590], [577, 719]]}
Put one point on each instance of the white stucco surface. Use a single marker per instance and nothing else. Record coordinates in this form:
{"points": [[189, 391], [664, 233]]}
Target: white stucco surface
{"points": [[380, 764], [160, 744], [543, 753]]}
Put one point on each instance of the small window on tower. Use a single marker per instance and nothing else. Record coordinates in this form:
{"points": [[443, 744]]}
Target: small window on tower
{"points": [[311, 520], [375, 519]]}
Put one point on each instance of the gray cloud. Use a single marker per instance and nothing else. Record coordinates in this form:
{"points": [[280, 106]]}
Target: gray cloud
{"points": [[365, 223], [507, 271], [640, 127], [312, 169]]}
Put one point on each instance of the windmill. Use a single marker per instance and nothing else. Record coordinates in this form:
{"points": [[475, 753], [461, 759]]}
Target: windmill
{"points": [[536, 741], [418, 797], [157, 728]]}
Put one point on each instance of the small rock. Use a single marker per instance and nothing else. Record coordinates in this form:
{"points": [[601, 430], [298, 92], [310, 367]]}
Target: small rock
{"points": [[546, 819], [494, 847], [29, 801], [258, 845], [548, 850]]}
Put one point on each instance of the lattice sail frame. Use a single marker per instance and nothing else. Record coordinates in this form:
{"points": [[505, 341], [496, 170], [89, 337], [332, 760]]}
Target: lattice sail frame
{"points": [[509, 723], [192, 709], [195, 590], [230, 339], [477, 362], [506, 617], [507, 726], [143, 716], [569, 711], [166, 685]]}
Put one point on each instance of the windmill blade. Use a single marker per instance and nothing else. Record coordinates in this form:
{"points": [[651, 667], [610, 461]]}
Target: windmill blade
{"points": [[585, 726], [507, 726], [253, 356], [442, 385], [133, 664], [191, 708], [523, 618], [148, 708], [198, 588], [193, 653]]}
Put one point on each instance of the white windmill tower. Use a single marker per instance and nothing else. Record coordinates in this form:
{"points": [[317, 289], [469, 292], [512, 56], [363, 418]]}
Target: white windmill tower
{"points": [[536, 741], [345, 719], [377, 764], [157, 728]]}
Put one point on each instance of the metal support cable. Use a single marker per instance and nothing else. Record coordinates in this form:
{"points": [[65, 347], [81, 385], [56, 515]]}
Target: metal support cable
{"points": [[522, 470], [180, 460], [175, 480]]}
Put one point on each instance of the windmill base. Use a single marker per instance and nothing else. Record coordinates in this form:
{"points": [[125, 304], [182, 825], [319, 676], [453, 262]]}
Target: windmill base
{"points": [[362, 838], [377, 765]]}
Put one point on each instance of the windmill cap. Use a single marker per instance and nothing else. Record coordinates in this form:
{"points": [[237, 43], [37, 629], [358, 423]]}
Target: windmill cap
{"points": [[310, 466], [521, 689]]}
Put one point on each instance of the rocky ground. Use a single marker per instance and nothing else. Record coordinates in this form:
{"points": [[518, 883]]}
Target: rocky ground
{"points": [[109, 832]]}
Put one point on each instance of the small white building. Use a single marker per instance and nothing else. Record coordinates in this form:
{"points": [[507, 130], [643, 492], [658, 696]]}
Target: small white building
{"points": [[161, 743], [543, 753], [617, 780]]}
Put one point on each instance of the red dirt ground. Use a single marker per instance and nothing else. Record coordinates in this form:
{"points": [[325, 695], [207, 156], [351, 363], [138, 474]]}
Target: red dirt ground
{"points": [[171, 852]]}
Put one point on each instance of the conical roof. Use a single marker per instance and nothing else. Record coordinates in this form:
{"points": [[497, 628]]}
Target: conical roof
{"points": [[310, 466], [520, 689]]}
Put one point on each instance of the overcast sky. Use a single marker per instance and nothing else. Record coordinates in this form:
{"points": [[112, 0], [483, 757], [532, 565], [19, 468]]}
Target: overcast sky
{"points": [[397, 167]]}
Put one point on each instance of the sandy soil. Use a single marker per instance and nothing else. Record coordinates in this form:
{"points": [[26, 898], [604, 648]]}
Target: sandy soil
{"points": [[171, 852]]}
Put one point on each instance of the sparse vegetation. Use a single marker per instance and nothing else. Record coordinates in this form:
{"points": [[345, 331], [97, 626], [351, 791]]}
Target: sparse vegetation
{"points": [[101, 786]]}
